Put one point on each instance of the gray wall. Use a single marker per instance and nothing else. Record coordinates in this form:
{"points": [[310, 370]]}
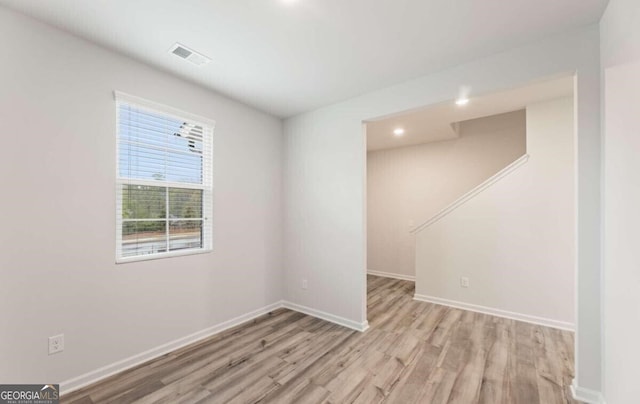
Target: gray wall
{"points": [[515, 240], [57, 213], [620, 41], [325, 204]]}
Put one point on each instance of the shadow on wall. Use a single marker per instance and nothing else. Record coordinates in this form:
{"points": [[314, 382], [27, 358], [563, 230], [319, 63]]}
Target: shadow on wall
{"points": [[515, 240], [408, 185]]}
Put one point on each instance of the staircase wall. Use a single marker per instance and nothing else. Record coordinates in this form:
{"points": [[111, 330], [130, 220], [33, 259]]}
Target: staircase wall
{"points": [[515, 240], [408, 185]]}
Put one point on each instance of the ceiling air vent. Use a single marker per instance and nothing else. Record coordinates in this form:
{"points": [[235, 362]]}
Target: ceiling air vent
{"points": [[192, 56]]}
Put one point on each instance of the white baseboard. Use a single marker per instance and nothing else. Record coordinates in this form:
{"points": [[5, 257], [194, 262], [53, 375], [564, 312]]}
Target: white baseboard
{"points": [[391, 275], [354, 325], [94, 376], [547, 322], [122, 365], [586, 395]]}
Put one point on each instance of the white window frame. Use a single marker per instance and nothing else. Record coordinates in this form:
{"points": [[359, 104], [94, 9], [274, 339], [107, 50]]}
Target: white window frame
{"points": [[206, 186]]}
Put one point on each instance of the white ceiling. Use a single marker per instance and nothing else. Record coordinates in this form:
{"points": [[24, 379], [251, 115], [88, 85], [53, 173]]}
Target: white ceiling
{"points": [[438, 122], [286, 57]]}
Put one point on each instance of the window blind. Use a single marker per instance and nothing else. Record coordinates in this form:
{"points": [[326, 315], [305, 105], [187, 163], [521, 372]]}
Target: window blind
{"points": [[164, 187]]}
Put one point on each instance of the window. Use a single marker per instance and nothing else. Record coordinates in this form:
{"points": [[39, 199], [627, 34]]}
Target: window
{"points": [[164, 187]]}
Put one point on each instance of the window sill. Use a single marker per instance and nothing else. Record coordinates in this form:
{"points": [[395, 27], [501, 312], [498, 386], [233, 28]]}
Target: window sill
{"points": [[150, 257]]}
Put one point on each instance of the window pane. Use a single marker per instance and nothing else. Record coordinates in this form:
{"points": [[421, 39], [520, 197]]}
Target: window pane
{"points": [[143, 202], [142, 162], [185, 234], [184, 168], [185, 203], [141, 238], [160, 156], [156, 147], [146, 127]]}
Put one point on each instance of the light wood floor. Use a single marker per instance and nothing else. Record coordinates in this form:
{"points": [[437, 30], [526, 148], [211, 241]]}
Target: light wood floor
{"points": [[414, 352]]}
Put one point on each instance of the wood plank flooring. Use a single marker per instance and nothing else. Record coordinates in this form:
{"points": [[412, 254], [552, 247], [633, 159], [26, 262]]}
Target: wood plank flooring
{"points": [[414, 352]]}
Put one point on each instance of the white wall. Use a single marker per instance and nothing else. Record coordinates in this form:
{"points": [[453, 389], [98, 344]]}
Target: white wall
{"points": [[620, 41], [57, 212], [408, 185], [515, 240], [325, 214]]}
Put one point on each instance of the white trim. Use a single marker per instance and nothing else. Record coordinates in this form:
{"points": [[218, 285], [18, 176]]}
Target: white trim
{"points": [[345, 322], [94, 376], [547, 322], [586, 395], [156, 183], [169, 254], [391, 275], [119, 96], [206, 185], [475, 191]]}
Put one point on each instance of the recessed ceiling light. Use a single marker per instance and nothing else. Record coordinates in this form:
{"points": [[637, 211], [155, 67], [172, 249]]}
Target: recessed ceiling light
{"points": [[462, 101], [398, 132]]}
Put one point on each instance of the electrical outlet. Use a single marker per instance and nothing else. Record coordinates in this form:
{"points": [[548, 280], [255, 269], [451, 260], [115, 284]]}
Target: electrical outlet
{"points": [[56, 344], [464, 282], [305, 284]]}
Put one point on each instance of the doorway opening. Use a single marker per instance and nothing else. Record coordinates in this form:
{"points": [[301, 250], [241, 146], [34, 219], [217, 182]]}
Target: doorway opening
{"points": [[471, 207]]}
